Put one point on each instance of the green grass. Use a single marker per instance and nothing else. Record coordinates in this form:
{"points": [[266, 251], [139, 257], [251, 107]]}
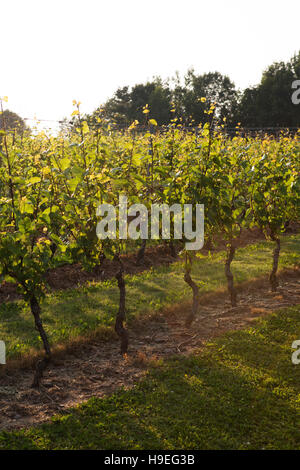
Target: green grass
{"points": [[69, 313], [241, 392]]}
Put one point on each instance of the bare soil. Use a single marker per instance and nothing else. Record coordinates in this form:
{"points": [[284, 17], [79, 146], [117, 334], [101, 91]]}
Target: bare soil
{"points": [[95, 367]]}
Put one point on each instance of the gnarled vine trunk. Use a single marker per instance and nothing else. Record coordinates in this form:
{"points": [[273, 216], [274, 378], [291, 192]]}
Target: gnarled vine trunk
{"points": [[43, 363], [172, 248], [141, 252], [196, 298], [273, 275], [121, 316], [99, 266], [229, 275], [208, 245]]}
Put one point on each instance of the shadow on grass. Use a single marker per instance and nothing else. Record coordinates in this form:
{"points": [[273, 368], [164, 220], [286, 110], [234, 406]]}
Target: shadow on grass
{"points": [[241, 392]]}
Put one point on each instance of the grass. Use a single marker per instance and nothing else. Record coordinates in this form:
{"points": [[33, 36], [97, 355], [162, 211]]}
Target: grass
{"points": [[70, 313], [241, 392]]}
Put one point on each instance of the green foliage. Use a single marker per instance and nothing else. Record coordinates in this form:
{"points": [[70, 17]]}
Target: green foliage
{"points": [[51, 186]]}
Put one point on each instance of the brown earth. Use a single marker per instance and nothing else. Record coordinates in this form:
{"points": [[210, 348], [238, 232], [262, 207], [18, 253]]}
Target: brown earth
{"points": [[95, 367]]}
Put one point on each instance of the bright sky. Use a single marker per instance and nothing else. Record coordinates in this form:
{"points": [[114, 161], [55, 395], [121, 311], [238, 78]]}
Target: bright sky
{"points": [[54, 51]]}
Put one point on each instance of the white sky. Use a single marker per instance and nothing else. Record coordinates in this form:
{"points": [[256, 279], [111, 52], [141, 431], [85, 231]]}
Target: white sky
{"points": [[54, 51]]}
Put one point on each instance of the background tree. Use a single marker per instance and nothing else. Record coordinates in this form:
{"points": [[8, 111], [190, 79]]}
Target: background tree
{"points": [[12, 121], [126, 105], [215, 88], [269, 104]]}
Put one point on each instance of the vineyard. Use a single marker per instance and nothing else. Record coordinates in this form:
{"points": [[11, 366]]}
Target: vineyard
{"points": [[52, 185]]}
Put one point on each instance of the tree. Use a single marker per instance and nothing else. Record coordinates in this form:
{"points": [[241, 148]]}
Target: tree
{"points": [[119, 107], [269, 104], [214, 87], [126, 105], [12, 121]]}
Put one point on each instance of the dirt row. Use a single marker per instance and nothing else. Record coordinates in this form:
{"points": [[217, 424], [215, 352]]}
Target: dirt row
{"points": [[95, 367]]}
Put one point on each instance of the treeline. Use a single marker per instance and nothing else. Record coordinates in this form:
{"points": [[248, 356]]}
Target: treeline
{"points": [[269, 104], [188, 101]]}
